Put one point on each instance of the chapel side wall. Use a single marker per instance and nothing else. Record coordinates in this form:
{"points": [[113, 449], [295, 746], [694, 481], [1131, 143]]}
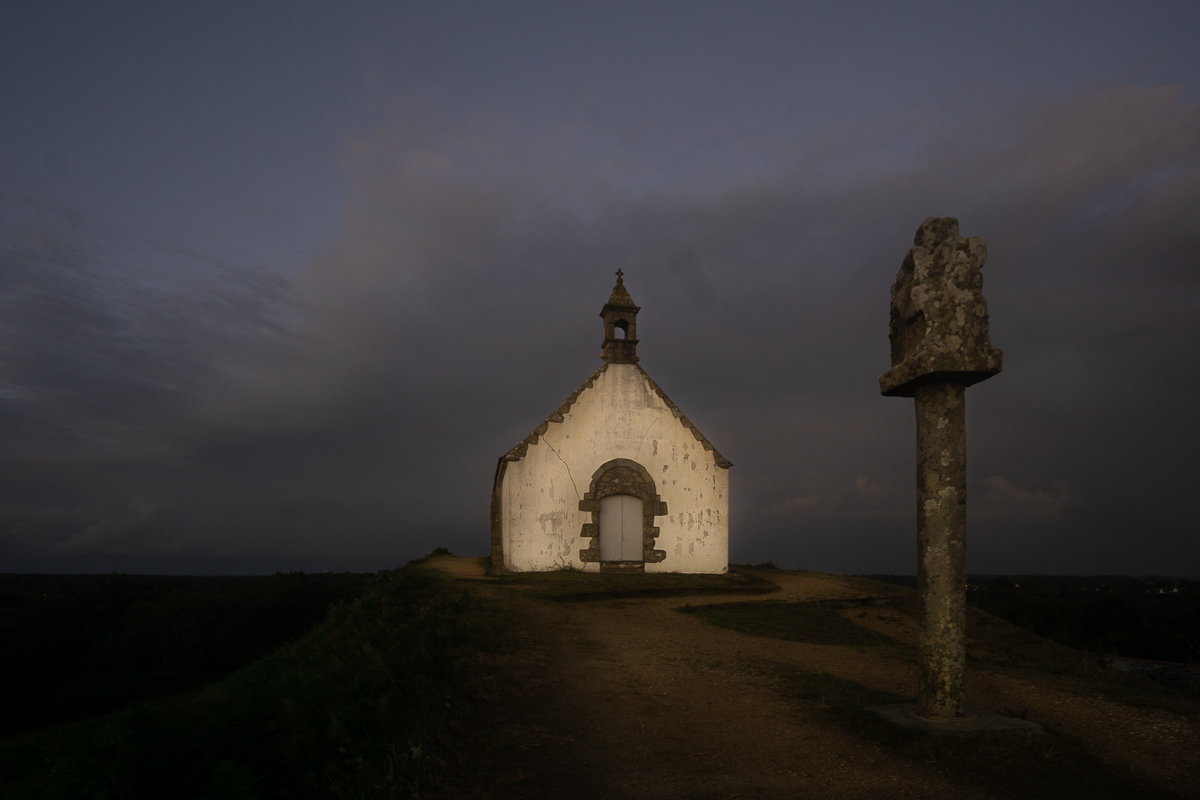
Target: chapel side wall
{"points": [[542, 516], [620, 416]]}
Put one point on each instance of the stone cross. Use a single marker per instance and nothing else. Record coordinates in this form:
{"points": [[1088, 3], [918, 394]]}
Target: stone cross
{"points": [[940, 346]]}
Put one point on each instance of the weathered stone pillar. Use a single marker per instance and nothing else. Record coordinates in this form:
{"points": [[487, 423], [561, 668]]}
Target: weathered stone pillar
{"points": [[940, 346], [941, 547]]}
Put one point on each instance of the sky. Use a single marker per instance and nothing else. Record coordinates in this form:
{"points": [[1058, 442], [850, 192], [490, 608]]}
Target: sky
{"points": [[279, 282]]}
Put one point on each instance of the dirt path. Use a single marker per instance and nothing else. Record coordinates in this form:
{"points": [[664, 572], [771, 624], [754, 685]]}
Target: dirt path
{"points": [[631, 699]]}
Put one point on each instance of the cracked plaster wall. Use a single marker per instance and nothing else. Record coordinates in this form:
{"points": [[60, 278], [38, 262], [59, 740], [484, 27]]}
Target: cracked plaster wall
{"points": [[621, 415]]}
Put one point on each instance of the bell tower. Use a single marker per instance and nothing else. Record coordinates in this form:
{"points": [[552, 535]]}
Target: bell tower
{"points": [[620, 326]]}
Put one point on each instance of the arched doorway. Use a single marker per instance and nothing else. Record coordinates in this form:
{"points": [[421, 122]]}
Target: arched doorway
{"points": [[621, 528], [623, 502]]}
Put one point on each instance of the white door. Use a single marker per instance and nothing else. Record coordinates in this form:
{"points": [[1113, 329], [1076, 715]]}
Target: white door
{"points": [[621, 528]]}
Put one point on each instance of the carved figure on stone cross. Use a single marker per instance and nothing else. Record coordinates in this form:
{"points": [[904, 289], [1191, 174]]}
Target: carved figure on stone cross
{"points": [[939, 319]]}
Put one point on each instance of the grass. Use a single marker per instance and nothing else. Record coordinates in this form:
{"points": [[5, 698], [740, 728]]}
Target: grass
{"points": [[434, 553], [575, 586], [1048, 766], [369, 704], [1052, 765], [795, 622]]}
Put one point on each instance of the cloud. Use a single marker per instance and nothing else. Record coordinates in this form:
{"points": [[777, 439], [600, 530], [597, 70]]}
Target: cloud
{"points": [[867, 489], [790, 505], [107, 329], [130, 531], [357, 410], [1006, 501]]}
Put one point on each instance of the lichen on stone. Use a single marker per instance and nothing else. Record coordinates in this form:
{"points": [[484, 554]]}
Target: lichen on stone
{"points": [[939, 319]]}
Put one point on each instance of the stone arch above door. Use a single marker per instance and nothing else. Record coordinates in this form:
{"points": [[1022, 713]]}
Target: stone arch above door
{"points": [[622, 476]]}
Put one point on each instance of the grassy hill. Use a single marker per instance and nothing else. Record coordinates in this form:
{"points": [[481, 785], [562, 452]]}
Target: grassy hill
{"points": [[393, 692], [360, 700], [81, 645]]}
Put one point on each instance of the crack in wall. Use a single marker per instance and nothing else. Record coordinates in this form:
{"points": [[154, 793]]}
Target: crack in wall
{"points": [[645, 433], [566, 466]]}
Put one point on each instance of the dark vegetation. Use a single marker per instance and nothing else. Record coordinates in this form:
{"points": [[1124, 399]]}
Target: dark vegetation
{"points": [[80, 645], [367, 704], [1151, 618], [575, 586]]}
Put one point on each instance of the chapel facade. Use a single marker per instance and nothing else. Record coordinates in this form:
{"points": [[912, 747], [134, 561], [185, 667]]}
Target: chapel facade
{"points": [[616, 479]]}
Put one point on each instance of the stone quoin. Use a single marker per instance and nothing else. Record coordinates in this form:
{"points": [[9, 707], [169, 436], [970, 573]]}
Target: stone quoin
{"points": [[616, 479]]}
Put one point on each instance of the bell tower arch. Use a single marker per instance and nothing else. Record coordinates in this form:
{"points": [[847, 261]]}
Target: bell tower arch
{"points": [[620, 326]]}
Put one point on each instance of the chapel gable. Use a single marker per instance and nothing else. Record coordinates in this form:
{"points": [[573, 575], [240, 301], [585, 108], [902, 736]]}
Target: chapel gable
{"points": [[617, 478]]}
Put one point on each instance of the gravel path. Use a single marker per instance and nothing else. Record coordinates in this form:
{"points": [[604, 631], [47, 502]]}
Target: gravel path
{"points": [[631, 699]]}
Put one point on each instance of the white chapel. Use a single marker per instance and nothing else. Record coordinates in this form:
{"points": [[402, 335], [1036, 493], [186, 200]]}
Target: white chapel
{"points": [[616, 479]]}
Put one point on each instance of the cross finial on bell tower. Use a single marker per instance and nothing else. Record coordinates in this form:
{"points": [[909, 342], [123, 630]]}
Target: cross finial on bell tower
{"points": [[620, 326]]}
